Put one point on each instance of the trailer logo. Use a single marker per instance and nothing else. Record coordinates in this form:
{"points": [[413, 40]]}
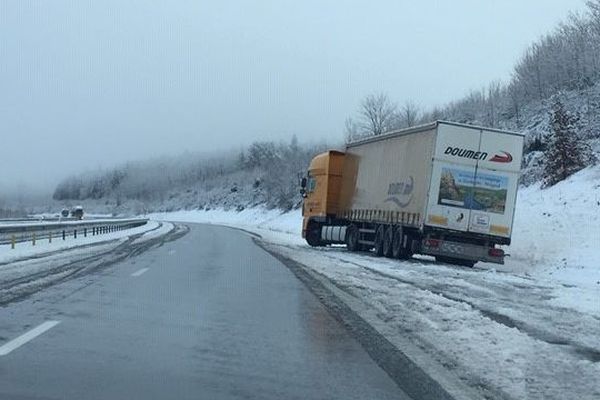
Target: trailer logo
{"points": [[465, 153], [505, 157], [400, 193], [502, 158]]}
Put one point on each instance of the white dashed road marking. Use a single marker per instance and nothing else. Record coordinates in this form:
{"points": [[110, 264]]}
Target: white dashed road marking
{"points": [[139, 272], [26, 337]]}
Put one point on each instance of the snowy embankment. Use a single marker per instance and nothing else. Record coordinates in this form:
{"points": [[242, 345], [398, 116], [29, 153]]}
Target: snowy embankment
{"points": [[527, 329]]}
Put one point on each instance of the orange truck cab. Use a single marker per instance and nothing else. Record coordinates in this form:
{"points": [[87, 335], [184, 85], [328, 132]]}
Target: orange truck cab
{"points": [[321, 190]]}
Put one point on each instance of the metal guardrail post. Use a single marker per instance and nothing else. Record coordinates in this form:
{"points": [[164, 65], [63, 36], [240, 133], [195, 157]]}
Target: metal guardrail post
{"points": [[13, 240], [74, 233], [33, 239], [50, 237], [63, 234], [84, 232]]}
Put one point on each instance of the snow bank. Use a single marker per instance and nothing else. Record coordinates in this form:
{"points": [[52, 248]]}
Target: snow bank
{"points": [[257, 219], [556, 237]]}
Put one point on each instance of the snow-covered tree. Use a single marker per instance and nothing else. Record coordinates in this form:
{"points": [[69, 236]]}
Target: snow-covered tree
{"points": [[566, 153]]}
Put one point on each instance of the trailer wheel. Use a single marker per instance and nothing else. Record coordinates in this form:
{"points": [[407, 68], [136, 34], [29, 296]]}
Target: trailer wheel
{"points": [[399, 249], [352, 238], [388, 237], [379, 237]]}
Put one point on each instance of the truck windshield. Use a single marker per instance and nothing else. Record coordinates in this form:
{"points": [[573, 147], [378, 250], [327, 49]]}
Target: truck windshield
{"points": [[311, 184]]}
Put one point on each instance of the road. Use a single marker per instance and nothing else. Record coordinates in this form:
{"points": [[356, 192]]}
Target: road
{"points": [[208, 316]]}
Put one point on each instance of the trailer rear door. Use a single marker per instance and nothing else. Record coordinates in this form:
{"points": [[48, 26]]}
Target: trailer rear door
{"points": [[453, 176], [474, 180], [495, 185]]}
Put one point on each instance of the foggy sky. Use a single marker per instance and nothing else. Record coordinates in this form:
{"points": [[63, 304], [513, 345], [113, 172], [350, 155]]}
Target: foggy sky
{"points": [[85, 84]]}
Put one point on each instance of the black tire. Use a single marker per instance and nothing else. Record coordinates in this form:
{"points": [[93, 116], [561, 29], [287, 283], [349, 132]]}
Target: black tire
{"points": [[397, 241], [352, 236], [313, 239], [401, 244], [379, 235], [456, 261], [388, 237], [313, 234]]}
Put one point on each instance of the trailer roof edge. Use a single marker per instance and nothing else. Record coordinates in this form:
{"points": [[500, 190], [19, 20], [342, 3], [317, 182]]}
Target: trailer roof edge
{"points": [[425, 127], [480, 127]]}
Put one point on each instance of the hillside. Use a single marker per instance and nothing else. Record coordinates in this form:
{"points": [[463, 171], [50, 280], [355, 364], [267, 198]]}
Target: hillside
{"points": [[264, 173]]}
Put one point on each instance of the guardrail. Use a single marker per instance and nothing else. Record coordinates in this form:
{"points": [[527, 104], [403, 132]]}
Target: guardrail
{"points": [[33, 232], [4, 221]]}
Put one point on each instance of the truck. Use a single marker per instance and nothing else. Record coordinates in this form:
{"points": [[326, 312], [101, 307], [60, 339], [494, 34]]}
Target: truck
{"points": [[443, 189], [77, 212]]}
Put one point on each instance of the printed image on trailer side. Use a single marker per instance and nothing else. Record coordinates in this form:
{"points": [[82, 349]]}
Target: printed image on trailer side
{"points": [[461, 188]]}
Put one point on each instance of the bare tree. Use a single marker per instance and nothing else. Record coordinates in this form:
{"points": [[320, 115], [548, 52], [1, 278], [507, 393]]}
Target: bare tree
{"points": [[352, 130], [409, 115], [376, 114]]}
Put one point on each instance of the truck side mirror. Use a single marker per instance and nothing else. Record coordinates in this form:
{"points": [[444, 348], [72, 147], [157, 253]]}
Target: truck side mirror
{"points": [[303, 183]]}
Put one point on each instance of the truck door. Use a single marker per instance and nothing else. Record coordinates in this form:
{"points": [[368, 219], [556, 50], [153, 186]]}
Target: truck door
{"points": [[453, 177], [495, 183]]}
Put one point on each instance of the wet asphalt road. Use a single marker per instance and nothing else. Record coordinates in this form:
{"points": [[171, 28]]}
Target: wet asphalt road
{"points": [[208, 316]]}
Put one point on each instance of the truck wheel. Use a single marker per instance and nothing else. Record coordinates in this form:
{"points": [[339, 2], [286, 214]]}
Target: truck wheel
{"points": [[313, 234], [352, 238], [379, 236], [313, 239], [399, 250], [388, 237]]}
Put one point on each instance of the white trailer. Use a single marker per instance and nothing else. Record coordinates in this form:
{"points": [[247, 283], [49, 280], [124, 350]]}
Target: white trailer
{"points": [[443, 189]]}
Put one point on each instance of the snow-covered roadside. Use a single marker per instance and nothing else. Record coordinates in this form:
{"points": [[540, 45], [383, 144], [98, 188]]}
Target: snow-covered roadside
{"points": [[25, 250], [528, 329], [557, 237], [259, 219]]}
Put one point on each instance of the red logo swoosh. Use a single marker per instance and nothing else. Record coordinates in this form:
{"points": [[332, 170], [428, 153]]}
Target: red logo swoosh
{"points": [[506, 158]]}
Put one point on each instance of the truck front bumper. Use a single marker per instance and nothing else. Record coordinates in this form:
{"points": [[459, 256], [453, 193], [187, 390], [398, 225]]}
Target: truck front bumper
{"points": [[463, 251]]}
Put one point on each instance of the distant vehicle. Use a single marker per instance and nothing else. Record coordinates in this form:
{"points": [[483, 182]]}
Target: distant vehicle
{"points": [[77, 212], [442, 189], [64, 213]]}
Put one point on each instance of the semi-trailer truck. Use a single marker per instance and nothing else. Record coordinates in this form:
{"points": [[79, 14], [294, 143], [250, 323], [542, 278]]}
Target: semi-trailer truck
{"points": [[442, 189]]}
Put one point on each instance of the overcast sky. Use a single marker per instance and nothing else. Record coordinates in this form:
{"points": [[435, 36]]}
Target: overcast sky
{"points": [[89, 84]]}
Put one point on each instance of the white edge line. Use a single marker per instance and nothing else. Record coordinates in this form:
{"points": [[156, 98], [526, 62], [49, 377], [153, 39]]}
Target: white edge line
{"points": [[139, 272], [26, 337]]}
